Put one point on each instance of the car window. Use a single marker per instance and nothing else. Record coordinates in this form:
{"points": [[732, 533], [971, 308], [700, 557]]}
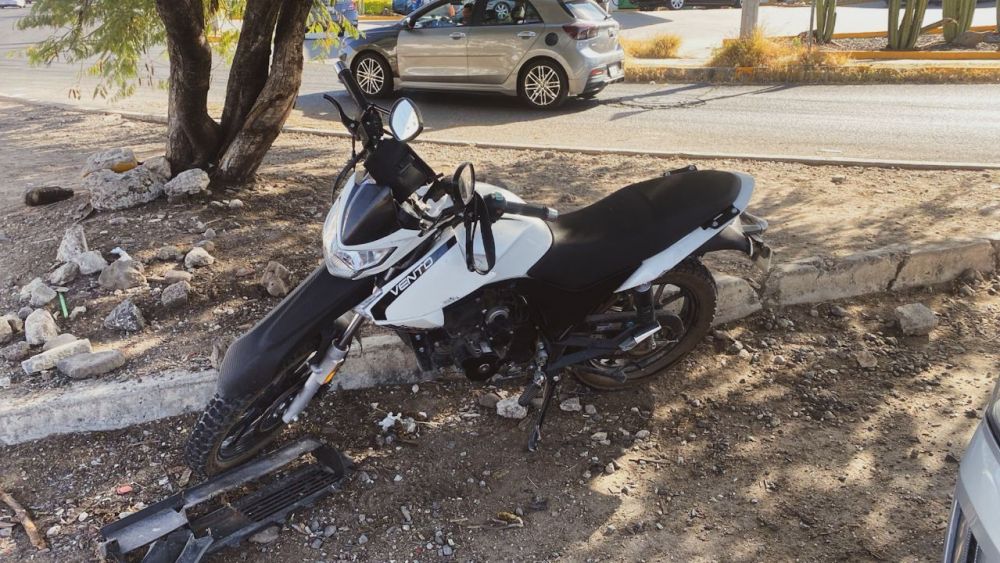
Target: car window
{"points": [[448, 14], [510, 12], [585, 10]]}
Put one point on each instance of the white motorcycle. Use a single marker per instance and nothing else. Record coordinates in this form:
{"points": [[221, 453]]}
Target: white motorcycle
{"points": [[469, 275]]}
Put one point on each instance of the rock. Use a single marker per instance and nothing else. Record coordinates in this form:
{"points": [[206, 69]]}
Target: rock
{"points": [[16, 351], [115, 160], [15, 322], [866, 359], [125, 317], [447, 550], [235, 204], [571, 405], [175, 294], [53, 530], [44, 195], [29, 288], [329, 531], [118, 221], [267, 535], [76, 312], [83, 366], [174, 276], [65, 274], [72, 245], [316, 543], [590, 409], [915, 319], [839, 179], [509, 408], [42, 295], [57, 341], [599, 436], [40, 327], [23, 312], [966, 291], [91, 262], [169, 252], [189, 182], [642, 434], [838, 311], [122, 274], [362, 539], [198, 257], [489, 400], [110, 191], [219, 347], [206, 244], [5, 382], [49, 359], [159, 166], [609, 468], [276, 279], [970, 39], [209, 233], [6, 332]]}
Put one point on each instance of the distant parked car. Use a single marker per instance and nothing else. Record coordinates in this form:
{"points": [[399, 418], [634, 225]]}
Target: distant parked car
{"points": [[542, 50], [340, 9], [13, 3], [973, 534], [647, 5]]}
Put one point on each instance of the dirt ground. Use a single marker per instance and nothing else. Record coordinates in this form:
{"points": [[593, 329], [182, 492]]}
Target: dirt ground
{"points": [[795, 453]]}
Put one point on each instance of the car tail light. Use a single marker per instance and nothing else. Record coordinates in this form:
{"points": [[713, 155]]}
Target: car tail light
{"points": [[581, 31]]}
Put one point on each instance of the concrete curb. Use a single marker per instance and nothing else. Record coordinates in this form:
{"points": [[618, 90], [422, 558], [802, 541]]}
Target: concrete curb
{"points": [[96, 405], [693, 155], [386, 360]]}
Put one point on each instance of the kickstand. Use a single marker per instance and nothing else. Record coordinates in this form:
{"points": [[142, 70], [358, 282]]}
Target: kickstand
{"points": [[551, 382]]}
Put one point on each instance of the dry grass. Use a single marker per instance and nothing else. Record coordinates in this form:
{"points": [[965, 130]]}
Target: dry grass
{"points": [[663, 46], [760, 51]]}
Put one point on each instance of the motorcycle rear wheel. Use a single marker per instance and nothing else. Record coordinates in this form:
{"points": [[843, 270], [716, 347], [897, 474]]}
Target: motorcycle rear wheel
{"points": [[687, 293], [233, 429]]}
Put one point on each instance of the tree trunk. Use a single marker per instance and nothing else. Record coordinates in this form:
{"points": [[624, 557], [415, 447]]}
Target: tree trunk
{"points": [[239, 160], [250, 66], [193, 137]]}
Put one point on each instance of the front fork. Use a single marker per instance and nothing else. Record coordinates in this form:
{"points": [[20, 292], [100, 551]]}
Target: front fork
{"points": [[323, 369]]}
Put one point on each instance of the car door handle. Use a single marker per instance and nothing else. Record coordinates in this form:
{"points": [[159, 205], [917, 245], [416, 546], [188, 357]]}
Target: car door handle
{"points": [[457, 35], [526, 34]]}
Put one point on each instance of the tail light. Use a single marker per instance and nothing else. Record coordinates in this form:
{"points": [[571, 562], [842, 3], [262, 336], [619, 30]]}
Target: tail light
{"points": [[581, 31]]}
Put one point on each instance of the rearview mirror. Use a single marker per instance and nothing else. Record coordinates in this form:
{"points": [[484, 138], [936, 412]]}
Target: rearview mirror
{"points": [[404, 120], [465, 179]]}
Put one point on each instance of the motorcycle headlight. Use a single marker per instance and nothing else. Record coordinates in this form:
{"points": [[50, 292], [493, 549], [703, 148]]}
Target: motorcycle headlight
{"points": [[345, 263], [993, 412]]}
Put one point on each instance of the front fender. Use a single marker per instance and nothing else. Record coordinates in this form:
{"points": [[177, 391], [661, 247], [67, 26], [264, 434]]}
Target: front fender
{"points": [[315, 305]]}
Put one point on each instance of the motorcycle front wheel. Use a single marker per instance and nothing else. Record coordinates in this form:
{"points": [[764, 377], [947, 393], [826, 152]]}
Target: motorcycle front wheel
{"points": [[685, 300], [233, 429]]}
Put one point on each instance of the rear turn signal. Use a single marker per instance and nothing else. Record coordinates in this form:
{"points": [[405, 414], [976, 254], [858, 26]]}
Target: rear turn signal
{"points": [[580, 31]]}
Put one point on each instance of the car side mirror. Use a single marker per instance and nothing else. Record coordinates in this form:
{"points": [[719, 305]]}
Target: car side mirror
{"points": [[408, 23]]}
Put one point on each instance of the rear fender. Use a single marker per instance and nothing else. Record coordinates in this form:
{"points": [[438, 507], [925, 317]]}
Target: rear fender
{"points": [[310, 311]]}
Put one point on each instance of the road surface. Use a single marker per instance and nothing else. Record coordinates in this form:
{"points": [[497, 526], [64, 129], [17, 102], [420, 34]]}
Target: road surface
{"points": [[956, 123]]}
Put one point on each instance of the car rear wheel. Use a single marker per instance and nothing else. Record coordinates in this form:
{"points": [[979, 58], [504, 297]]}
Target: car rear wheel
{"points": [[543, 85], [373, 75], [675, 4]]}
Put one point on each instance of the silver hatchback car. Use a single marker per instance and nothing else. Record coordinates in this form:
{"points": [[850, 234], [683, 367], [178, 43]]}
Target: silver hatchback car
{"points": [[540, 50]]}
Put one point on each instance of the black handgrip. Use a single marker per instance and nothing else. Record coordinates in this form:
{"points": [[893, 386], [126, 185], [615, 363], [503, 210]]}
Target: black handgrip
{"points": [[498, 202], [347, 79]]}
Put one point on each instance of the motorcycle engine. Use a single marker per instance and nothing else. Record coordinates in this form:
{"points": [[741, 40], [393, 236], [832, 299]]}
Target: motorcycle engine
{"points": [[484, 331]]}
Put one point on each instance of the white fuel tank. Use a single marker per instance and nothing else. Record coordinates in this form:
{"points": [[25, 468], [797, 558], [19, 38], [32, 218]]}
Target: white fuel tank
{"points": [[417, 297]]}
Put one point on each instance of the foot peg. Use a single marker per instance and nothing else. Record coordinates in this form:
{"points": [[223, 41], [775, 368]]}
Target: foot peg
{"points": [[174, 538]]}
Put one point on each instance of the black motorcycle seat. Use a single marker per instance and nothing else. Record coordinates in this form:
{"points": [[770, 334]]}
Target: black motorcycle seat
{"points": [[614, 235]]}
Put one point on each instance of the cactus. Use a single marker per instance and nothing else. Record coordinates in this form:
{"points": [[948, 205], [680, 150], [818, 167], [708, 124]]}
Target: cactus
{"points": [[903, 35], [826, 19], [958, 17]]}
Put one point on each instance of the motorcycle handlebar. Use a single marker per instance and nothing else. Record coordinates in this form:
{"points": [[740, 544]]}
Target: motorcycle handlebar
{"points": [[498, 202], [347, 79]]}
